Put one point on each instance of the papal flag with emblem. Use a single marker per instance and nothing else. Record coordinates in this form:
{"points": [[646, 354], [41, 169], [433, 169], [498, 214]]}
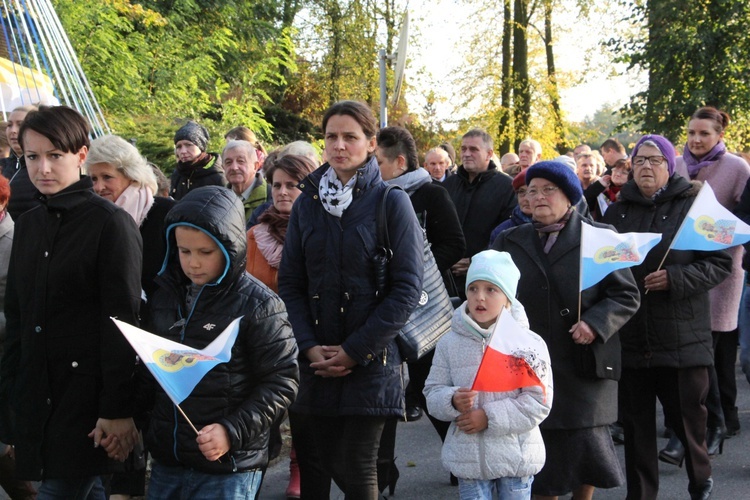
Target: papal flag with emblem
{"points": [[604, 251], [709, 226], [177, 367]]}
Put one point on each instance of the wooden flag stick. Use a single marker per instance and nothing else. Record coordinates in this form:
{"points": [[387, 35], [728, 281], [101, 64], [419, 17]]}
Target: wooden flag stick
{"points": [[188, 420]]}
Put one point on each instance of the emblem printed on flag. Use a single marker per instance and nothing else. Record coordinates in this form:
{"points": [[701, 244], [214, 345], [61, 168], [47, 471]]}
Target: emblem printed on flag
{"points": [[179, 368], [709, 226], [604, 251]]}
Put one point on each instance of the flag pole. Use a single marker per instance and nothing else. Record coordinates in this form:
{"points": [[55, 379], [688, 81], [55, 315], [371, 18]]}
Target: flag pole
{"points": [[188, 420], [580, 271]]}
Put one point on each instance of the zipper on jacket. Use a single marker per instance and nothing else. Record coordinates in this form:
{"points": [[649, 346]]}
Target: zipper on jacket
{"points": [[316, 298], [403, 388], [385, 355], [346, 302], [182, 339], [482, 457]]}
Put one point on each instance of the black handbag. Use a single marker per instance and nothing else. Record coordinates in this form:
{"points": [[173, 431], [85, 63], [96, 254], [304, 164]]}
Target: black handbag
{"points": [[431, 319]]}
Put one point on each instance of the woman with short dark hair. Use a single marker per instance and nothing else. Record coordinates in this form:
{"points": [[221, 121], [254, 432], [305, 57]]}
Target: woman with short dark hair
{"points": [[67, 372]]}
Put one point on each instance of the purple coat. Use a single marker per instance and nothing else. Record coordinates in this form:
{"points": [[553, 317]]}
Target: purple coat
{"points": [[727, 178]]}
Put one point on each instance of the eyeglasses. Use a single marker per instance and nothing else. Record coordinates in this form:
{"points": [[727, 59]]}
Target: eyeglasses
{"points": [[654, 161], [546, 191], [522, 192]]}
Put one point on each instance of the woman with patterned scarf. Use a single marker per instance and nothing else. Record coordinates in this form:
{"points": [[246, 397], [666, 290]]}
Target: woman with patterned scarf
{"points": [[705, 158], [346, 308], [583, 339]]}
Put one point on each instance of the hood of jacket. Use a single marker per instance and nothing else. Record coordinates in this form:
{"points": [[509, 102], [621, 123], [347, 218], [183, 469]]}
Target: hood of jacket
{"points": [[677, 187], [219, 213], [411, 181], [464, 325]]}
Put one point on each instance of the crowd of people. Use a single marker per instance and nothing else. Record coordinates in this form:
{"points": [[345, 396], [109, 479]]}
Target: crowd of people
{"points": [[289, 243]]}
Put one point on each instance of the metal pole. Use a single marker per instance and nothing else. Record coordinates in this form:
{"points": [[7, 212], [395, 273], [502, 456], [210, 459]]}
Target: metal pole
{"points": [[383, 109]]}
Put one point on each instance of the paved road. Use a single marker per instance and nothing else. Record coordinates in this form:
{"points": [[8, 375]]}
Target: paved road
{"points": [[423, 477]]}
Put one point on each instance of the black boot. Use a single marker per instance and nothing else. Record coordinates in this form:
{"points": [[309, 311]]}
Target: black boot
{"points": [[715, 441], [387, 477], [674, 453], [702, 492]]}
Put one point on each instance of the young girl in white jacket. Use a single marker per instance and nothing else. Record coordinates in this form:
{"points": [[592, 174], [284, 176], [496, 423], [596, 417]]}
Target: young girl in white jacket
{"points": [[494, 440]]}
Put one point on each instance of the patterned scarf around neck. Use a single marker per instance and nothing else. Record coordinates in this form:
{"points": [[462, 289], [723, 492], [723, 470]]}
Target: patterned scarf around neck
{"points": [[335, 196], [694, 165], [549, 233]]}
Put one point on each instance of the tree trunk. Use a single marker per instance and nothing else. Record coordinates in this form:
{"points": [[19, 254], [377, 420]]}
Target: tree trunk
{"points": [[554, 95], [333, 12], [521, 97], [504, 131]]}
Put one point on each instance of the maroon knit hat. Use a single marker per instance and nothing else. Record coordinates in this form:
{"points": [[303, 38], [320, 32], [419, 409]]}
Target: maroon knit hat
{"points": [[519, 180]]}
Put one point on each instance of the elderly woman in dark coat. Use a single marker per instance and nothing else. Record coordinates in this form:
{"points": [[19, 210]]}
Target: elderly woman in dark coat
{"points": [[351, 376], [585, 352], [666, 346]]}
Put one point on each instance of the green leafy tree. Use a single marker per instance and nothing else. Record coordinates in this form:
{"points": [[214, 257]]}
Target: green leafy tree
{"points": [[693, 56], [155, 64]]}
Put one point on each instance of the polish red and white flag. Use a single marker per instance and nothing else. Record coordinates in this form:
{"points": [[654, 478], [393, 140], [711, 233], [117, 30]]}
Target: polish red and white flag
{"points": [[513, 359]]}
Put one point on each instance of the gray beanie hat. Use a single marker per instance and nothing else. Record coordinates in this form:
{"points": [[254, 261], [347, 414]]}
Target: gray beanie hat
{"points": [[193, 132]]}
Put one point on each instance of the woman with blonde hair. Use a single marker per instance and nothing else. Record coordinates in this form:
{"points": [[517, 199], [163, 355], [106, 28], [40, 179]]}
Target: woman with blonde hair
{"points": [[121, 175]]}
